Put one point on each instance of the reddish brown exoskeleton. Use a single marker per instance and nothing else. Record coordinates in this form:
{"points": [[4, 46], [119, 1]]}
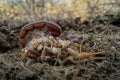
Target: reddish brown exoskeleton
{"points": [[49, 47], [52, 27]]}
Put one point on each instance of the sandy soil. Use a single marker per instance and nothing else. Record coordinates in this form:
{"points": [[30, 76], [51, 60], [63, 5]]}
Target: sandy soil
{"points": [[98, 37]]}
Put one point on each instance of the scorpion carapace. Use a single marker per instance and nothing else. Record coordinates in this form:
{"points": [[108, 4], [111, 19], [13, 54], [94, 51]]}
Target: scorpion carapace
{"points": [[46, 47], [52, 27]]}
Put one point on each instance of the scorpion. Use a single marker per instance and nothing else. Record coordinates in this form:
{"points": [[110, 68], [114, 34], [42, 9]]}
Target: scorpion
{"points": [[47, 48]]}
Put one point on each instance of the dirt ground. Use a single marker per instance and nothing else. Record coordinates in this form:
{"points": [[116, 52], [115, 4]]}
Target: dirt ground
{"points": [[97, 36]]}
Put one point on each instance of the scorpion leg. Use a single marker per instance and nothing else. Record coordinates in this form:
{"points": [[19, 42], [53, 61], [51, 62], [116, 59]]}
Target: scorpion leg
{"points": [[35, 54], [30, 53], [69, 59], [25, 56], [43, 55], [76, 45]]}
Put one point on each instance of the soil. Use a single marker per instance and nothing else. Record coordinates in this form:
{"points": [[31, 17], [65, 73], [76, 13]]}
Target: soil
{"points": [[96, 36]]}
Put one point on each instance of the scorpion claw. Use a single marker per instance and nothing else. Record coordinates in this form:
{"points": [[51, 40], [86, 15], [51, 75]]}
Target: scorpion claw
{"points": [[91, 55]]}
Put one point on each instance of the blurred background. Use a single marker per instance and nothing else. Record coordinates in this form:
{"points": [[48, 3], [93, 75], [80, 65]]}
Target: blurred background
{"points": [[32, 10]]}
